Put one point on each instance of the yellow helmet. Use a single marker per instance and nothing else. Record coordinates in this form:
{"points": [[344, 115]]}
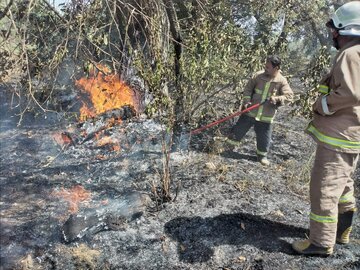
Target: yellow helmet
{"points": [[346, 19]]}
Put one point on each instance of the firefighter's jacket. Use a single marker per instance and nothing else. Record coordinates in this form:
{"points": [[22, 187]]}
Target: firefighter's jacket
{"points": [[261, 87], [336, 122]]}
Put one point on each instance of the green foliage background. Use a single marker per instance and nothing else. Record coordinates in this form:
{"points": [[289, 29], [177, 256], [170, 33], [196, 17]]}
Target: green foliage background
{"points": [[222, 44]]}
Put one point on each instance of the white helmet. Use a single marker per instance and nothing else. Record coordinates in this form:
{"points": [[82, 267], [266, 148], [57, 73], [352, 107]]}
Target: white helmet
{"points": [[347, 19]]}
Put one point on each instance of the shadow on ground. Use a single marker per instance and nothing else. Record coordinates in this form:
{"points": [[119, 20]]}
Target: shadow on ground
{"points": [[197, 236], [236, 155]]}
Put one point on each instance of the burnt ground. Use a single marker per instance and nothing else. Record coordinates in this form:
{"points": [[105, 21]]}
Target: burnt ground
{"points": [[229, 212]]}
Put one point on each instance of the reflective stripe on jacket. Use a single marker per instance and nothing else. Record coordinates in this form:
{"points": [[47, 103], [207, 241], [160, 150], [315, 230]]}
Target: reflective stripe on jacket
{"points": [[334, 142], [336, 122], [324, 89], [262, 87]]}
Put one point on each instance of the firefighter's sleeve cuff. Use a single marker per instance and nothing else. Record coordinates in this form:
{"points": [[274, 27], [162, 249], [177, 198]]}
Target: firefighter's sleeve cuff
{"points": [[247, 98], [325, 106]]}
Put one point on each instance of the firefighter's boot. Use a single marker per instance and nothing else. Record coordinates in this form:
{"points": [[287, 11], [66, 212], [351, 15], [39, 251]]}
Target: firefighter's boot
{"points": [[305, 247], [344, 227], [263, 160]]}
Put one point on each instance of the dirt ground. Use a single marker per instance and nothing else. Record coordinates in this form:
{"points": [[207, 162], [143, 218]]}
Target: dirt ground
{"points": [[229, 211]]}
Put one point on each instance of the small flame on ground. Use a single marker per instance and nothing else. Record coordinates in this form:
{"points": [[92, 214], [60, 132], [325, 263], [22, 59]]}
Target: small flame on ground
{"points": [[104, 141], [106, 90], [109, 142], [74, 196], [62, 138]]}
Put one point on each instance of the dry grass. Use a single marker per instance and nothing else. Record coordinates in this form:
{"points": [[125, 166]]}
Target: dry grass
{"points": [[28, 263], [242, 185], [298, 178], [85, 257]]}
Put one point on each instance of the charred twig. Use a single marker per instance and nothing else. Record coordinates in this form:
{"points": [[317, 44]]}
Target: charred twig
{"points": [[52, 159], [176, 192], [92, 135]]}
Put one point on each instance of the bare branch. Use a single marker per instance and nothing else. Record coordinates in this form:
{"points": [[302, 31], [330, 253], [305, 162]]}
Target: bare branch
{"points": [[3, 13]]}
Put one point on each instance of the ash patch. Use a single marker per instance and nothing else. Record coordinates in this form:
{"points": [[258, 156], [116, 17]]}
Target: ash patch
{"points": [[229, 213]]}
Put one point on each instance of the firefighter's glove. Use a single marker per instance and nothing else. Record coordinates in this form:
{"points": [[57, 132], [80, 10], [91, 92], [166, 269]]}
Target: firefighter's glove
{"points": [[273, 100], [245, 105]]}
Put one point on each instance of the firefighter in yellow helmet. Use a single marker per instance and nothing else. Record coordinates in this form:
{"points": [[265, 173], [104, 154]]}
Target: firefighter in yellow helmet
{"points": [[336, 129]]}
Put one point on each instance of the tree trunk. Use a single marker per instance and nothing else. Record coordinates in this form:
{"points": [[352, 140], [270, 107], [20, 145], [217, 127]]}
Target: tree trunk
{"points": [[176, 36], [324, 41], [281, 41], [178, 95]]}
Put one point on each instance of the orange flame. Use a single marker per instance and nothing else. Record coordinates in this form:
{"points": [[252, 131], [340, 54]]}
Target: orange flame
{"points": [[73, 196], [112, 145], [104, 141], [106, 90], [62, 138]]}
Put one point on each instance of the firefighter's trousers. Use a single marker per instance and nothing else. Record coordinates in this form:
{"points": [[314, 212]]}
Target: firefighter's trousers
{"points": [[331, 193], [262, 130]]}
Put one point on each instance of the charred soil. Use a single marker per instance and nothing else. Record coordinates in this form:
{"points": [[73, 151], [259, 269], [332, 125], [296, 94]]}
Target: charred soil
{"points": [[228, 211]]}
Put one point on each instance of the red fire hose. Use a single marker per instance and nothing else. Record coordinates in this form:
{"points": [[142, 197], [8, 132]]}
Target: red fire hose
{"points": [[198, 130]]}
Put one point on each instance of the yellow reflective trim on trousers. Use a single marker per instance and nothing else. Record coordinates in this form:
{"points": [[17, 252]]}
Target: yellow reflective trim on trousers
{"points": [[258, 91], [332, 141], [323, 219], [347, 198], [267, 119], [248, 97], [260, 153], [264, 119], [323, 89], [263, 97]]}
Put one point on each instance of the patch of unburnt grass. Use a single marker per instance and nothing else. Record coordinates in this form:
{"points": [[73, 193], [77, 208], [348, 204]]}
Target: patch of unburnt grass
{"points": [[85, 257], [297, 176]]}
